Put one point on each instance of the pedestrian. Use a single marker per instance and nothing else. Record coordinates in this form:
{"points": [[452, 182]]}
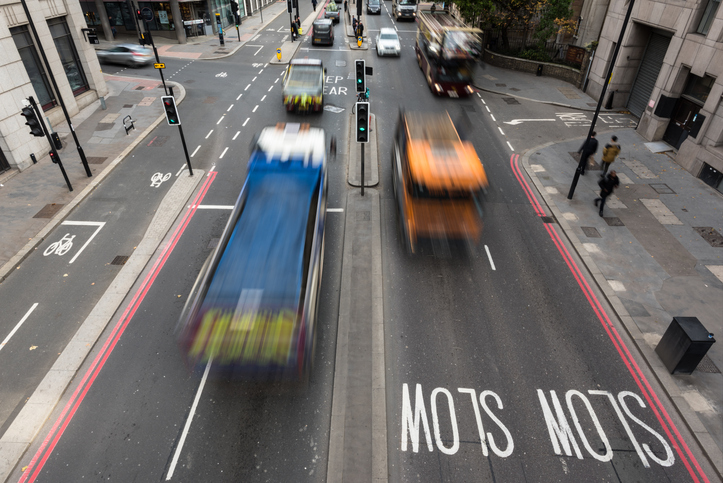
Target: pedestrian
{"points": [[313, 4], [332, 148], [112, 25], [588, 148], [607, 185], [610, 152], [294, 31], [353, 23], [346, 5], [359, 29]]}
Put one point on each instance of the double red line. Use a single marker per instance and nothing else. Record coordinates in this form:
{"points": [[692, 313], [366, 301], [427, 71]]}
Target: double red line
{"points": [[684, 453], [66, 416]]}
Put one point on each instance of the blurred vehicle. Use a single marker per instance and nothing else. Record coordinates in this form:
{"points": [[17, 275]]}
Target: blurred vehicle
{"points": [[322, 32], [126, 54], [374, 6], [252, 311], [438, 180], [388, 42], [404, 9], [446, 52], [303, 86], [332, 12]]}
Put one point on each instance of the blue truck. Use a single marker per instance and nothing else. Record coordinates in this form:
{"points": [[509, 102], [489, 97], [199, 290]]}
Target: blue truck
{"points": [[252, 313]]}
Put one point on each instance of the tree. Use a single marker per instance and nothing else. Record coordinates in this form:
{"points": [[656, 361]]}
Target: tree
{"points": [[556, 17]]}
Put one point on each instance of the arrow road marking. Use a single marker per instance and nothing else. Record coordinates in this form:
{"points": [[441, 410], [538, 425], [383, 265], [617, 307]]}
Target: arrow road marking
{"points": [[515, 122]]}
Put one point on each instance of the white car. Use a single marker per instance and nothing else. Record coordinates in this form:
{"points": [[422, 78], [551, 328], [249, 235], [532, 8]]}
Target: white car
{"points": [[388, 42]]}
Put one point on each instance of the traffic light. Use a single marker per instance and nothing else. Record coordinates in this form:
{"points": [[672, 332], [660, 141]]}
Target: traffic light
{"points": [[235, 11], [169, 106], [52, 157], [362, 122], [289, 6], [31, 120], [361, 80]]}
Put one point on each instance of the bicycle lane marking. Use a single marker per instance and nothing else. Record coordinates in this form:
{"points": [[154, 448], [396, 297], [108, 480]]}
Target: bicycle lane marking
{"points": [[655, 404], [64, 245], [56, 432]]}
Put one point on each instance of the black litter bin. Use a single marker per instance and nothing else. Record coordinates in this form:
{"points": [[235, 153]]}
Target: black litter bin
{"points": [[684, 344]]}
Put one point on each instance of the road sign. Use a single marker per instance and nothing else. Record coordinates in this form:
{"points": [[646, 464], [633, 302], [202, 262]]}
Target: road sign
{"points": [[278, 54], [159, 66], [147, 14]]}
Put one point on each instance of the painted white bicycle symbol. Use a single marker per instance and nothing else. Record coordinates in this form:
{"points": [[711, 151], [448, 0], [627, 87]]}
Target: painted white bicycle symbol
{"points": [[60, 247], [159, 178]]}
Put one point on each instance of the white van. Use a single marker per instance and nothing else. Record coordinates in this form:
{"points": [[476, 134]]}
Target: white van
{"points": [[404, 9]]}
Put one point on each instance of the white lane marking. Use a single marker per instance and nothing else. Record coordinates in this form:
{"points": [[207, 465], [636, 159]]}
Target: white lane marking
{"points": [[493, 117], [99, 224], [195, 151], [183, 166], [246, 121], [262, 99], [283, 39], [17, 326], [213, 207], [229, 108], [254, 39], [239, 96], [483, 101], [508, 143], [257, 106], [488, 109], [177, 454], [270, 88], [219, 121], [212, 168], [253, 80], [261, 71], [260, 47], [501, 131], [209, 133], [224, 152], [335, 210], [277, 80], [247, 87], [236, 135], [515, 122], [489, 255], [479, 95]]}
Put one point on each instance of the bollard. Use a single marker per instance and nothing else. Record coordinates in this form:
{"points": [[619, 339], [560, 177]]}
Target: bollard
{"points": [[102, 103], [539, 70]]}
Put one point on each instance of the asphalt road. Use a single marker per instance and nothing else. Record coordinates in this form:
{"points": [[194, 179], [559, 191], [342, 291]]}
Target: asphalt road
{"points": [[483, 335]]}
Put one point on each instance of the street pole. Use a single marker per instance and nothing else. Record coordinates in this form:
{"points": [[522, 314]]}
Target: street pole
{"points": [[158, 60], [185, 150], [362, 169], [50, 141], [609, 74], [57, 91]]}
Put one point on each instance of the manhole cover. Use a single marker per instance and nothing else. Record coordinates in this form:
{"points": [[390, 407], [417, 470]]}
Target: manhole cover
{"points": [[547, 219], [213, 243], [139, 88], [710, 235], [514, 89], [590, 232], [662, 189], [613, 221], [510, 100], [127, 106], [341, 63], [707, 365], [501, 85], [120, 260], [592, 104], [158, 141], [210, 100], [49, 211], [96, 159]]}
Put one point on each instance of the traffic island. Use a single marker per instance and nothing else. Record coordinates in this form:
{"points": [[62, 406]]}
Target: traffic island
{"points": [[371, 158]]}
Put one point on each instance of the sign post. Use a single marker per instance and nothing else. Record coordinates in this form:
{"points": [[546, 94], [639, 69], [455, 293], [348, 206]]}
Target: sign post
{"points": [[220, 29]]}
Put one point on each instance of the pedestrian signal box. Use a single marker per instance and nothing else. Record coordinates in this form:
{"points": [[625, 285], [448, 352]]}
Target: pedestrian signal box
{"points": [[169, 106]]}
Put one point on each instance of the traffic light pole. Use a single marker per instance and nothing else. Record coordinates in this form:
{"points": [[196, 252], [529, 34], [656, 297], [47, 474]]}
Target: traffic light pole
{"points": [[362, 169], [57, 91], [185, 150], [50, 141]]}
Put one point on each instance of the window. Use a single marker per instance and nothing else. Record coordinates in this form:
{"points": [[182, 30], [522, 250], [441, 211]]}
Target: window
{"points": [[31, 61], [698, 88], [708, 16], [68, 55]]}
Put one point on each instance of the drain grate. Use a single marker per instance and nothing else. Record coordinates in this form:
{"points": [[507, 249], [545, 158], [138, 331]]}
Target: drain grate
{"points": [[510, 100], [706, 364], [96, 159], [127, 106], [120, 260], [710, 235], [590, 232], [613, 221], [139, 88], [547, 219], [49, 211], [158, 141], [341, 63], [662, 189], [213, 243], [501, 85], [514, 89]]}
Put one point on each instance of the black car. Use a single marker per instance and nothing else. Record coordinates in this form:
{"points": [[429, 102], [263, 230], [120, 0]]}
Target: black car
{"points": [[322, 32], [374, 6]]}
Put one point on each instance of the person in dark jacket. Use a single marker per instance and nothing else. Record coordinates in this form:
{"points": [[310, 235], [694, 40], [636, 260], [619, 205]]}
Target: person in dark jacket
{"points": [[588, 148], [610, 152], [313, 4], [359, 29], [607, 185]]}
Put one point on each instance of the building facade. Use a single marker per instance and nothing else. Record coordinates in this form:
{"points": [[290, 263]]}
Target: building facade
{"points": [[669, 73], [73, 65]]}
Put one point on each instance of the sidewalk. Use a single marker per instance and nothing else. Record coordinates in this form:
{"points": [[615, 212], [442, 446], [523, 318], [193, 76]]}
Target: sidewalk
{"points": [[650, 257]]}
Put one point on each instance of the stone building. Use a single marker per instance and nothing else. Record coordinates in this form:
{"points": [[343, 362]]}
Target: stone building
{"points": [[73, 65], [669, 73]]}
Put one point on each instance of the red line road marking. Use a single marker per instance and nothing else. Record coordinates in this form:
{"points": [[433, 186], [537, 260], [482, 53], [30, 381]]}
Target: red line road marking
{"points": [[51, 440], [614, 336]]}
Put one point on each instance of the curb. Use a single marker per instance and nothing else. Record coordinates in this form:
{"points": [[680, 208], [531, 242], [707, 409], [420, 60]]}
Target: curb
{"points": [[705, 441], [245, 41], [552, 103], [97, 179]]}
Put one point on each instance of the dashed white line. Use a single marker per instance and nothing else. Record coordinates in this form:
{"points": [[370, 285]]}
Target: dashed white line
{"points": [[488, 109], [261, 71], [483, 101], [229, 108], [17, 326], [489, 255], [236, 135], [493, 117], [219, 121], [209, 133], [335, 210], [183, 166], [212, 168], [270, 89], [239, 96], [223, 153], [257, 106], [195, 150], [247, 87], [262, 99], [501, 131], [508, 143], [253, 80], [246, 121], [277, 80]]}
